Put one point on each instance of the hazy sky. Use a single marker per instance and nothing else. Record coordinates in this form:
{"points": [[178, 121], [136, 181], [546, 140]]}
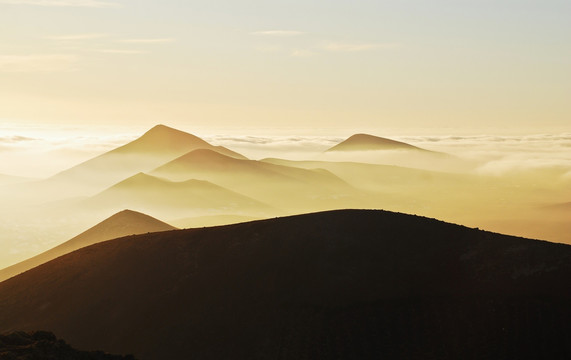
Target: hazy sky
{"points": [[359, 64]]}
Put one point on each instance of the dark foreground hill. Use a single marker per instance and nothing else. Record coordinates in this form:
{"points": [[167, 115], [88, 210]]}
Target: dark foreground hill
{"points": [[43, 345], [350, 284]]}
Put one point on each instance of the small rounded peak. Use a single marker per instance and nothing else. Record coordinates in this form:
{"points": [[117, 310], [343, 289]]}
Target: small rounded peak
{"points": [[124, 214], [370, 142], [363, 137], [128, 212]]}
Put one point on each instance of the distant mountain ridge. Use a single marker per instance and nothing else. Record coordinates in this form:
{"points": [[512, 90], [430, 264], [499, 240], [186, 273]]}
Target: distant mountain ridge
{"points": [[350, 284], [154, 148], [144, 191], [123, 223], [366, 142], [287, 187]]}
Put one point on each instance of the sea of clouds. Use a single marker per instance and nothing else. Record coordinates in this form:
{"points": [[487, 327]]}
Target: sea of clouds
{"points": [[44, 152]]}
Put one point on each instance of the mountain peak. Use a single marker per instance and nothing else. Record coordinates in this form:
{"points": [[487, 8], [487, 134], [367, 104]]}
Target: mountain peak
{"points": [[164, 136], [126, 215], [162, 129], [364, 142], [123, 223], [130, 218]]}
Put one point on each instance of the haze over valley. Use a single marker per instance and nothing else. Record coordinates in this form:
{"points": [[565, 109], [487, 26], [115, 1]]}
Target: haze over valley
{"points": [[175, 175]]}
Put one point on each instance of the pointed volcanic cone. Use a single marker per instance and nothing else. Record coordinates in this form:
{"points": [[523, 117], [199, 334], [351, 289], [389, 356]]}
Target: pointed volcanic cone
{"points": [[154, 148], [126, 222]]}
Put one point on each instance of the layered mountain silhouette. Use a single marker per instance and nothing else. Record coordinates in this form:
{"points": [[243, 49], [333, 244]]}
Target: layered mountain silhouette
{"points": [[374, 176], [366, 142], [350, 284], [126, 222], [154, 148], [206, 163], [172, 198], [283, 186]]}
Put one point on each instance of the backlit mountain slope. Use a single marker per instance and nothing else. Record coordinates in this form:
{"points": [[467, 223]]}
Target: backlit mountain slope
{"points": [[123, 223], [284, 186], [171, 198], [154, 148]]}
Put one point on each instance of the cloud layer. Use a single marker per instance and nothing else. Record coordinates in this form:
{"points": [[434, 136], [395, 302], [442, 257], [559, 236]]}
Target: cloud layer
{"points": [[493, 155]]}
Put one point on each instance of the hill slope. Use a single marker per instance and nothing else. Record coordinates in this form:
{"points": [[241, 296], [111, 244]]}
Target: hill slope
{"points": [[285, 187], [366, 142], [345, 284], [157, 146], [123, 223], [170, 198]]}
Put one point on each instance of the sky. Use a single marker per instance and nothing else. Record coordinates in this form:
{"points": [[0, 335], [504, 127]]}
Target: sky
{"points": [[312, 65]]}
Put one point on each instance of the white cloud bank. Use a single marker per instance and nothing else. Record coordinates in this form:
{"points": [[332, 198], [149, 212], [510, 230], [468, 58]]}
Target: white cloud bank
{"points": [[491, 154]]}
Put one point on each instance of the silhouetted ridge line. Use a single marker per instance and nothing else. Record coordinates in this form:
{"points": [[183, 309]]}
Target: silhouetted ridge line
{"points": [[350, 284]]}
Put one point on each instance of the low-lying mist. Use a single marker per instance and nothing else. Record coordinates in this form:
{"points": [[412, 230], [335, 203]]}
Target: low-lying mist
{"points": [[519, 185]]}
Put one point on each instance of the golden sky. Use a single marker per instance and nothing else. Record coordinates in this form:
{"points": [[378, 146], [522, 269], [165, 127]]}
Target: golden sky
{"points": [[364, 64]]}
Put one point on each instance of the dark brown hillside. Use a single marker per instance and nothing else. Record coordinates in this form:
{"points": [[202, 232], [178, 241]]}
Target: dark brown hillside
{"points": [[43, 345], [349, 284]]}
